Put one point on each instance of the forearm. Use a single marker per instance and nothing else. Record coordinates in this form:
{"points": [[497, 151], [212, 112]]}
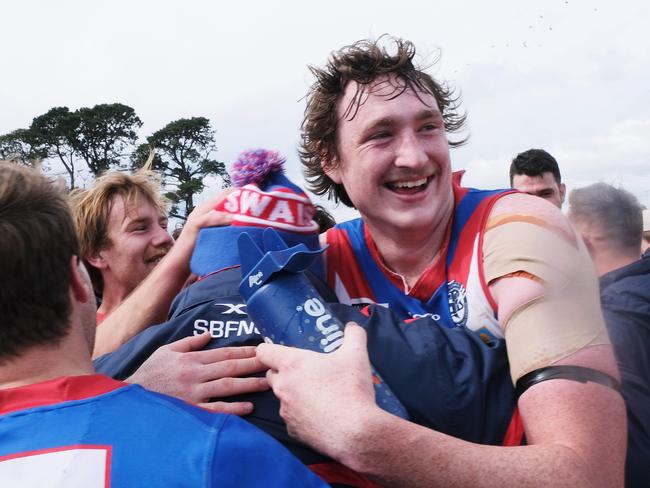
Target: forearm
{"points": [[395, 452], [148, 304]]}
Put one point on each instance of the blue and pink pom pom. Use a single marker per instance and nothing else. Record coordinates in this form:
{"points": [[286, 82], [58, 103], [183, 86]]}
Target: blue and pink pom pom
{"points": [[254, 166]]}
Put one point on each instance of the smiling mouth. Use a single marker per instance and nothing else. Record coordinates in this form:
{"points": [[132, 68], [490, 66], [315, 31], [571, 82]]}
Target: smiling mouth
{"points": [[155, 259], [409, 187]]}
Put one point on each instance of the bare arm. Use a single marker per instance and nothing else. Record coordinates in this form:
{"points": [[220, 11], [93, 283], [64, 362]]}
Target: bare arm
{"points": [[149, 302], [576, 431]]}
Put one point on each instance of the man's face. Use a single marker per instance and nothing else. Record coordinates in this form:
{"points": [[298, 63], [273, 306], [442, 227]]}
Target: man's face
{"points": [[543, 186], [394, 159], [138, 241]]}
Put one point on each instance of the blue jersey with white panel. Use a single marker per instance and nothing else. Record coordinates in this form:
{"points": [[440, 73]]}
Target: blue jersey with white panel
{"points": [[92, 431]]}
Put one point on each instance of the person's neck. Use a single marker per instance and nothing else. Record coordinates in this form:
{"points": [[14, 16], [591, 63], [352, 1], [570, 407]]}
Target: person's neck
{"points": [[42, 363], [113, 294], [607, 262], [409, 253]]}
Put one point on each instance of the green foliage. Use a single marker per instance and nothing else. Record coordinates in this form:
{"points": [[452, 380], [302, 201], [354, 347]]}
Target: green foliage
{"points": [[184, 155], [55, 131], [21, 146], [93, 140], [103, 133], [97, 137]]}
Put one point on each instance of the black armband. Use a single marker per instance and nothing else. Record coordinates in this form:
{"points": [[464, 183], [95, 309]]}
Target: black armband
{"points": [[565, 372]]}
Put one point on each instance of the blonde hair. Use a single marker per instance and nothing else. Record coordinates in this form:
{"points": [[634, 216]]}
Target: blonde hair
{"points": [[91, 209]]}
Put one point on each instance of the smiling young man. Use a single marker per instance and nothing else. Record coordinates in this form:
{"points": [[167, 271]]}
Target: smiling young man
{"points": [[122, 225], [501, 264]]}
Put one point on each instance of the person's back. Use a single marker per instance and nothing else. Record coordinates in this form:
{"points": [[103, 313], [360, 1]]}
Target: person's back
{"points": [[95, 431], [625, 299]]}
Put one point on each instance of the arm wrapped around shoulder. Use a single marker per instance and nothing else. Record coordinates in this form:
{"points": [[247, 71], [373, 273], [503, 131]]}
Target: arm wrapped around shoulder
{"points": [[565, 317]]}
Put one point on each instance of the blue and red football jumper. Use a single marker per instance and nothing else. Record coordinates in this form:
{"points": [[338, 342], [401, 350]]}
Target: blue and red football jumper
{"points": [[91, 431], [452, 290]]}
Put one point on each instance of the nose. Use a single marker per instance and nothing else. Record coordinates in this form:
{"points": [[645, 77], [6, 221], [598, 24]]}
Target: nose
{"points": [[411, 152], [162, 238]]}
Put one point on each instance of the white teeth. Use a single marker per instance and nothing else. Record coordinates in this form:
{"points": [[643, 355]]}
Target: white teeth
{"points": [[410, 184]]}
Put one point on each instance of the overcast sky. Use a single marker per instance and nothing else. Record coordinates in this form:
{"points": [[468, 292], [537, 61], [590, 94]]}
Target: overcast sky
{"points": [[568, 76]]}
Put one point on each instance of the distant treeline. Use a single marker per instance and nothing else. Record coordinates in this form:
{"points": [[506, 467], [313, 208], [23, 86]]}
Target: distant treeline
{"points": [[89, 141]]}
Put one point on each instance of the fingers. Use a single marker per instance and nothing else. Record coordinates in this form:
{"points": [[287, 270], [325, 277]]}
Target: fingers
{"points": [[231, 368], [273, 355], [208, 356], [235, 408], [213, 218], [225, 387], [271, 378], [355, 337], [191, 343], [216, 198]]}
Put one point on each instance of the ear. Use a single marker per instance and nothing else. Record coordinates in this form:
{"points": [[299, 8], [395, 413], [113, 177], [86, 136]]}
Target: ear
{"points": [[562, 192], [96, 260], [589, 243], [80, 281], [332, 168]]}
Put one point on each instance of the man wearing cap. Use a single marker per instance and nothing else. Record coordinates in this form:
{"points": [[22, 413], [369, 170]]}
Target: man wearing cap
{"points": [[610, 221], [500, 264]]}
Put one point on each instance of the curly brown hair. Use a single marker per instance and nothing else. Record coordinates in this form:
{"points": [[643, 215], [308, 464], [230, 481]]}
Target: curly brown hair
{"points": [[362, 62]]}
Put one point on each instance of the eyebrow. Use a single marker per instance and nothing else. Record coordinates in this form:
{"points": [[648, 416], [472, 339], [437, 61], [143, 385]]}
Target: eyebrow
{"points": [[138, 221], [388, 121]]}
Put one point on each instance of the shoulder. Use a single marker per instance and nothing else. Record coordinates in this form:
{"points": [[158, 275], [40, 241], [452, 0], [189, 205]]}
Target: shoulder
{"points": [[527, 205], [223, 283], [179, 413]]}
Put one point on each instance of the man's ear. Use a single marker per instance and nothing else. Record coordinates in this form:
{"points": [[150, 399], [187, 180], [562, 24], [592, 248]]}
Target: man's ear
{"points": [[562, 192], [332, 168], [96, 260], [80, 281]]}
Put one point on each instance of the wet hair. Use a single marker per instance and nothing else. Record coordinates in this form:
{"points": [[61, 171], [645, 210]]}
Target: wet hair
{"points": [[37, 244], [614, 212], [535, 162], [323, 218], [362, 62]]}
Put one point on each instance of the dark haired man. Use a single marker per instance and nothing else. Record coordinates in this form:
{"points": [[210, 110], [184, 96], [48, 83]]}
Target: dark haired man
{"points": [[610, 221], [499, 263], [536, 172], [61, 424]]}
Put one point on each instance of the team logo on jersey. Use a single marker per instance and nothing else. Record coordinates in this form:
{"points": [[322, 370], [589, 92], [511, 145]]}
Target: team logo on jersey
{"points": [[457, 296], [237, 308]]}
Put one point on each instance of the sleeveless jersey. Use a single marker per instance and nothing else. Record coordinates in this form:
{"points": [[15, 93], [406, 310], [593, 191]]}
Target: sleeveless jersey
{"points": [[92, 431], [452, 290]]}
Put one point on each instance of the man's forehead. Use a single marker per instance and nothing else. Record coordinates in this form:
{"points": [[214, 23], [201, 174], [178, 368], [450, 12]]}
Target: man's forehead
{"points": [[124, 210], [545, 179], [387, 87]]}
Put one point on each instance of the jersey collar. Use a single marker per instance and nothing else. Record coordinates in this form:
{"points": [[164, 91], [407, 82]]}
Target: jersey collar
{"points": [[63, 389]]}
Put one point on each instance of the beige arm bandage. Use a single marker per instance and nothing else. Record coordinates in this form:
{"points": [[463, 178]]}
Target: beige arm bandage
{"points": [[567, 317]]}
